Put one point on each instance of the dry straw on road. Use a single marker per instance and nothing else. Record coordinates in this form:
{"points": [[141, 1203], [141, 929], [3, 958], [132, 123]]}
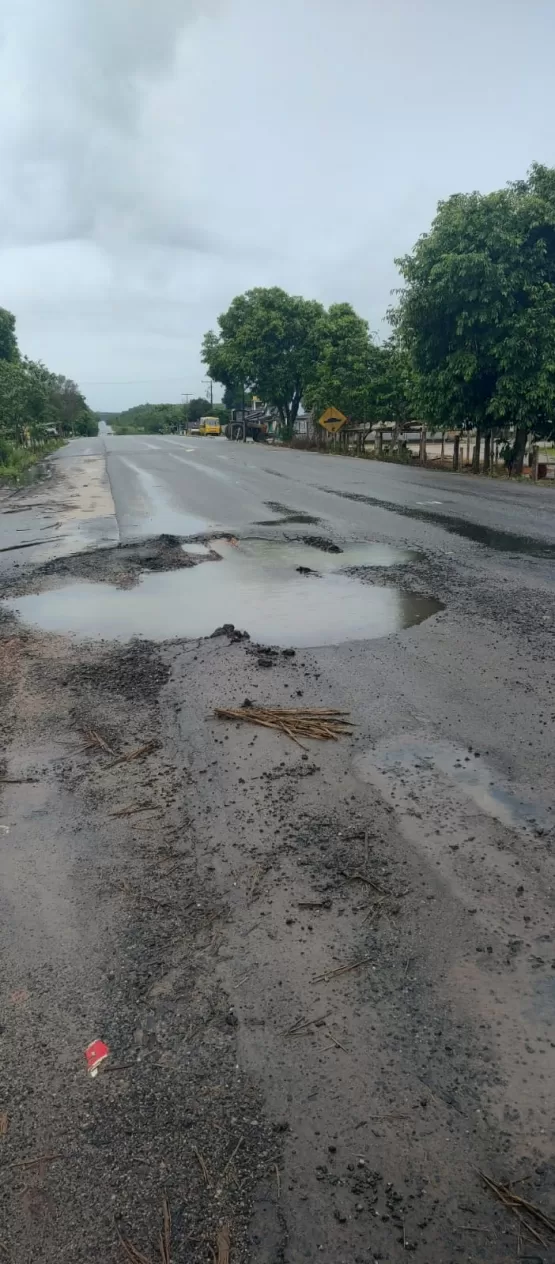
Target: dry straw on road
{"points": [[325, 724]]}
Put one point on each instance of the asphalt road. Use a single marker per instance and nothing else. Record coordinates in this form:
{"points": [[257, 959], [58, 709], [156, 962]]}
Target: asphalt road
{"points": [[188, 485], [422, 851]]}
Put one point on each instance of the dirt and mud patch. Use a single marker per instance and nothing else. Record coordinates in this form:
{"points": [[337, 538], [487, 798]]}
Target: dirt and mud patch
{"points": [[123, 565], [108, 931]]}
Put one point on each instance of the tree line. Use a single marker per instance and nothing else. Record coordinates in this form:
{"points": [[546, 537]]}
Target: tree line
{"points": [[167, 418], [36, 406], [472, 343]]}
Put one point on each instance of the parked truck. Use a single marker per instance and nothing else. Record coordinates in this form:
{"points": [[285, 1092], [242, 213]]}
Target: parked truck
{"points": [[255, 422]]}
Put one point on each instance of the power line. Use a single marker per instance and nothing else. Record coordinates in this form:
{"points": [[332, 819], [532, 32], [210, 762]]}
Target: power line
{"points": [[135, 381]]}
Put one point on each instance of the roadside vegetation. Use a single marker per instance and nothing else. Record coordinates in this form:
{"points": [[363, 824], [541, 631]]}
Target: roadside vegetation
{"points": [[472, 343], [38, 409], [166, 418]]}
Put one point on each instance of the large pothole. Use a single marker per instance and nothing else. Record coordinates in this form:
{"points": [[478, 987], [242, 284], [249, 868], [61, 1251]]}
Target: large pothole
{"points": [[285, 592]]}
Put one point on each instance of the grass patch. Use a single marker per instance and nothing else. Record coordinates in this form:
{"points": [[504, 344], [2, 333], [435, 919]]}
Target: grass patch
{"points": [[15, 460]]}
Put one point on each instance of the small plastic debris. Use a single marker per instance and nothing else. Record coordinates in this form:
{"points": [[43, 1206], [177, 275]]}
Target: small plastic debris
{"points": [[96, 1053]]}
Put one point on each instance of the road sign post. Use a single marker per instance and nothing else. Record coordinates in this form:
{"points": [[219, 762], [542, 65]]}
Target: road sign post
{"points": [[332, 420]]}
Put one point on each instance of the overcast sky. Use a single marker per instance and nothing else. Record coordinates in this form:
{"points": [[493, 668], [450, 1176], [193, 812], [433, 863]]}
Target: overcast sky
{"points": [[160, 156]]}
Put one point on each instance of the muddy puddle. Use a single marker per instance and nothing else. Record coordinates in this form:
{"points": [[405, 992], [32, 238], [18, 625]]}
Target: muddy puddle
{"points": [[257, 585], [423, 765]]}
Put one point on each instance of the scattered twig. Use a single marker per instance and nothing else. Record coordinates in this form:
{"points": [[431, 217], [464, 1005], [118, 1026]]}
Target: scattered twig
{"points": [[230, 1160], [392, 1114], [314, 904], [95, 739], [278, 1180], [147, 749], [202, 1165], [304, 1024], [336, 1042], [369, 882], [324, 724], [474, 1229], [42, 1158], [17, 781], [223, 1243], [135, 1256], [241, 981], [165, 1236], [3, 1124], [133, 808], [11, 548], [520, 1208], [330, 974], [131, 1253]]}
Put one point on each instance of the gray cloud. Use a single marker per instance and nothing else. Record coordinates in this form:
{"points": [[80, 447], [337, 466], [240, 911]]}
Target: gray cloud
{"points": [[157, 158]]}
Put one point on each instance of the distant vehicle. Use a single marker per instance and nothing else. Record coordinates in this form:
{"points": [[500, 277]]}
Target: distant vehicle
{"points": [[210, 426], [255, 425]]}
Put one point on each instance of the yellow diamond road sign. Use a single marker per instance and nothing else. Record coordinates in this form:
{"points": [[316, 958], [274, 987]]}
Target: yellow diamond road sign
{"points": [[332, 420]]}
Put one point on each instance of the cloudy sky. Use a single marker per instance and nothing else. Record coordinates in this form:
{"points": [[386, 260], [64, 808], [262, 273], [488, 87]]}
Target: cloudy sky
{"points": [[158, 158]]}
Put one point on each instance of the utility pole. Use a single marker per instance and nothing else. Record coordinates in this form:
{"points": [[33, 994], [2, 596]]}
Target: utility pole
{"points": [[244, 418], [186, 397], [206, 380]]}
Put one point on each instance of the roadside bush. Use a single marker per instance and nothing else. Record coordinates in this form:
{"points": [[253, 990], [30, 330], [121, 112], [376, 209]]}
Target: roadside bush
{"points": [[14, 460], [6, 451]]}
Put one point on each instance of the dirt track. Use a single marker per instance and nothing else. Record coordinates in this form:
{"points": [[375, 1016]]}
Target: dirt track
{"points": [[183, 935]]}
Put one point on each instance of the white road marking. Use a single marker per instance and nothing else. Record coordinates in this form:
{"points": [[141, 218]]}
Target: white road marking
{"points": [[429, 502], [202, 469]]}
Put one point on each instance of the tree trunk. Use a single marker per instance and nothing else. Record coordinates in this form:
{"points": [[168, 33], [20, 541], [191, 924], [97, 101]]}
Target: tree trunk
{"points": [[456, 446], [519, 448], [423, 445], [476, 453], [443, 445], [487, 452]]}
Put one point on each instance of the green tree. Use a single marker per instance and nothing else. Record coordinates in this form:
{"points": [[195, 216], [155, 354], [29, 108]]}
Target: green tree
{"points": [[197, 408], [343, 375], [148, 419], [8, 342], [268, 342], [477, 314], [392, 388]]}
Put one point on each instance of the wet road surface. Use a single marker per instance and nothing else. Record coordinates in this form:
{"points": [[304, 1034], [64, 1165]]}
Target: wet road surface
{"points": [[189, 485]]}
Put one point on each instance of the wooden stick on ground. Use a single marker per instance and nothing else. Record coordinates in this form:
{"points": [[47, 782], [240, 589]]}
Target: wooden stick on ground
{"points": [[95, 739], [513, 1202], [223, 1243], [331, 974], [147, 749], [325, 724]]}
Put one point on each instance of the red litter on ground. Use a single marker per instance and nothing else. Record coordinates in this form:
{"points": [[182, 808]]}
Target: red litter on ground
{"points": [[96, 1053]]}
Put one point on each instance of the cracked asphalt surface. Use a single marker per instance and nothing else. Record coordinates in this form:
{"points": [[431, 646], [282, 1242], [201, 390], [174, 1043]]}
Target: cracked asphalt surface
{"points": [[190, 905]]}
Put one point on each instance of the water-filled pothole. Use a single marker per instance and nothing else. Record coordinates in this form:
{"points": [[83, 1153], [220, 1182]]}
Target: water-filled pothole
{"points": [[256, 586]]}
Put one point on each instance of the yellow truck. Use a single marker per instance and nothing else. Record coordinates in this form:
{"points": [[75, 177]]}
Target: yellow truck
{"points": [[210, 426]]}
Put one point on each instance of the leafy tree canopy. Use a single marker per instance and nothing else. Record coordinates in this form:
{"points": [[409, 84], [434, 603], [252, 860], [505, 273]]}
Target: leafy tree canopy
{"points": [[268, 342], [477, 314], [149, 419], [9, 349], [342, 377]]}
